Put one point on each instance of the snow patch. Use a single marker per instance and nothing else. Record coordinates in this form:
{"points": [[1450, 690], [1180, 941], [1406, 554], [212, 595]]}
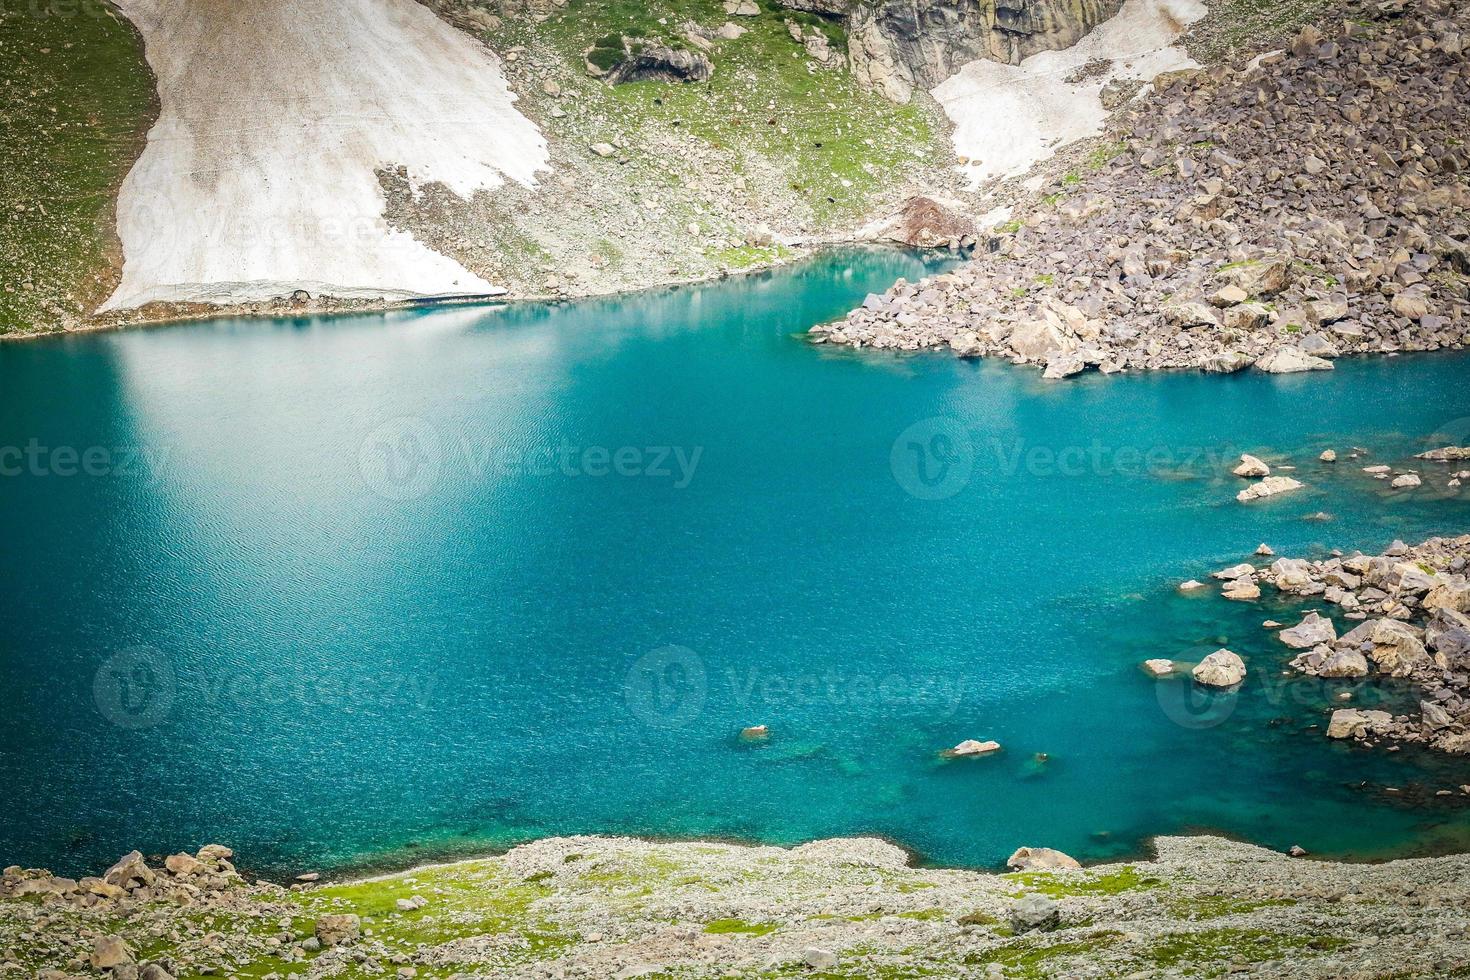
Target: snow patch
{"points": [[260, 175], [1009, 117]]}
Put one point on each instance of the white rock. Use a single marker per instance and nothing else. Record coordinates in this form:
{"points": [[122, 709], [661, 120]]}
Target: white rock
{"points": [[1251, 466], [1268, 487], [972, 746], [1291, 360], [1357, 723], [1220, 669], [1312, 630], [1159, 667], [1041, 859]]}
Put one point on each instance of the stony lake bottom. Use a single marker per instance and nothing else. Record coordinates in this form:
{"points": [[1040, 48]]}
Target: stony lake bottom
{"points": [[369, 590]]}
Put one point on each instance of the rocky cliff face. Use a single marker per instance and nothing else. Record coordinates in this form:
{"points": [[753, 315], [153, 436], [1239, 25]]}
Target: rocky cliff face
{"points": [[898, 45]]}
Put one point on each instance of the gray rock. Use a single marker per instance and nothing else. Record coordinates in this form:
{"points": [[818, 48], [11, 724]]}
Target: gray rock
{"points": [[1033, 913]]}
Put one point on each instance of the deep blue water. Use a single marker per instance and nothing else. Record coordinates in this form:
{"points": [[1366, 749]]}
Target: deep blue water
{"points": [[366, 589]]}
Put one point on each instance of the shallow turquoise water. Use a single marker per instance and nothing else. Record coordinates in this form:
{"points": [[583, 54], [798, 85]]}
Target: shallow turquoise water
{"points": [[376, 588]]}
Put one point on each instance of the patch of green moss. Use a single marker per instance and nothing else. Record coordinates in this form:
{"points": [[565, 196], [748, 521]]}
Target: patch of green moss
{"points": [[836, 144], [725, 927], [469, 899], [1066, 884], [1033, 959], [749, 256], [1222, 946]]}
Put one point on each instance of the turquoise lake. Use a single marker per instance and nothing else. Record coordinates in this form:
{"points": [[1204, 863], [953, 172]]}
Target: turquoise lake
{"points": [[360, 591]]}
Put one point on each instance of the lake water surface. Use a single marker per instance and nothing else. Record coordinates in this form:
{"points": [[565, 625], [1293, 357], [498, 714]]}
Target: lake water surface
{"points": [[374, 589]]}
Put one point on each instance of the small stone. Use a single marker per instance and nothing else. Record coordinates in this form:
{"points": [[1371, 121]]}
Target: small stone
{"points": [[755, 733], [1159, 667], [1297, 851], [1328, 456], [603, 149]]}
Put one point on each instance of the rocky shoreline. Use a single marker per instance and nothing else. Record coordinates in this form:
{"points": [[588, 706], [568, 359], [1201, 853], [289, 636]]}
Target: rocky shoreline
{"points": [[617, 907], [1410, 610], [1280, 213]]}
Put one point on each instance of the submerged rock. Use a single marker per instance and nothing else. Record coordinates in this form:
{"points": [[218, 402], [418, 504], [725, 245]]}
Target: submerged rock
{"points": [[1268, 487], [970, 747]]}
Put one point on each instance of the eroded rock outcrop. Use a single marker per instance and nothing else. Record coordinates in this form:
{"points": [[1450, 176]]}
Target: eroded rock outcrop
{"points": [[895, 46]]}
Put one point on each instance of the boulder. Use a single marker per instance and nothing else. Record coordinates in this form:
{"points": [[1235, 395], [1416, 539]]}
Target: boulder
{"points": [[1041, 859], [927, 223], [1241, 589], [1268, 487], [109, 953], [1251, 467], [971, 746], [1289, 359], [755, 733], [1063, 364], [1312, 630], [1395, 648], [1344, 663], [130, 871], [1291, 574], [183, 865], [1220, 669], [819, 959], [1033, 913], [1434, 716], [1035, 339], [1357, 723], [1406, 481], [1159, 667], [1261, 277], [1234, 572], [334, 930]]}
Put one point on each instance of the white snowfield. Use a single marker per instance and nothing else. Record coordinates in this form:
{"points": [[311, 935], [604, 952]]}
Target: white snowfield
{"points": [[1009, 117], [259, 177]]}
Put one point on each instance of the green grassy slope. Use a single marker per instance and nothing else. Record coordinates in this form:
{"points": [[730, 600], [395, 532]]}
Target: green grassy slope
{"points": [[76, 99]]}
